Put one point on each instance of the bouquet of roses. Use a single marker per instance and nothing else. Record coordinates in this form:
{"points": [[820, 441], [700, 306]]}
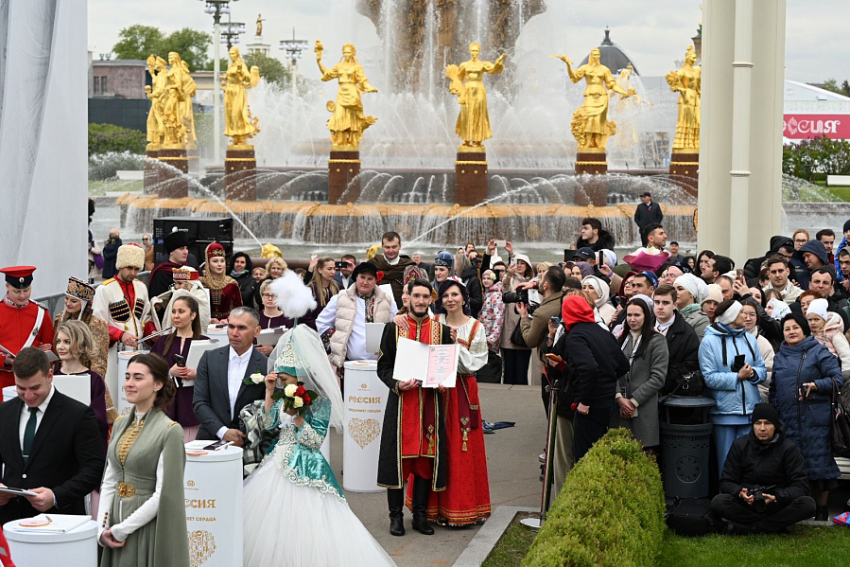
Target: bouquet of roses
{"points": [[297, 397]]}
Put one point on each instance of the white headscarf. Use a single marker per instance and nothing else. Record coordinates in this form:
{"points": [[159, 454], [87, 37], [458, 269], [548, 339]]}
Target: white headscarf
{"points": [[695, 286], [602, 289]]}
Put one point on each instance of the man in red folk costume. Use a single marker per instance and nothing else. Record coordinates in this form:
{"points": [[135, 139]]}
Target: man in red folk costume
{"points": [[414, 434], [23, 322]]}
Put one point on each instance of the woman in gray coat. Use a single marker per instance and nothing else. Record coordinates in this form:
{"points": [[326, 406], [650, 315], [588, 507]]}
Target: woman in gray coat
{"points": [[637, 395]]}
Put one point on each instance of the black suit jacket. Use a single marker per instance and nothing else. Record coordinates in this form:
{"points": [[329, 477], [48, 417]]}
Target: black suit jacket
{"points": [[67, 456], [212, 396], [683, 346]]}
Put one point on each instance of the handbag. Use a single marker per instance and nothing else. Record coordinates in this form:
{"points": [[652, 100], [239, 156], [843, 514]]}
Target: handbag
{"points": [[516, 336], [690, 384], [692, 517], [840, 424]]}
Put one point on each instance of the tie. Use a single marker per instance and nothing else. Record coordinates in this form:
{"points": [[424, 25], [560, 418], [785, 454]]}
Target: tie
{"points": [[29, 434]]}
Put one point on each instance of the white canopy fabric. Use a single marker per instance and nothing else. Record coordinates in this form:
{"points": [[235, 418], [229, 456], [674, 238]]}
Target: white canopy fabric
{"points": [[44, 139]]}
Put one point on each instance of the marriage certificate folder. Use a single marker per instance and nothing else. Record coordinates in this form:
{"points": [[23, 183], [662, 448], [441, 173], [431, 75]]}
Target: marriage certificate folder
{"points": [[433, 365]]}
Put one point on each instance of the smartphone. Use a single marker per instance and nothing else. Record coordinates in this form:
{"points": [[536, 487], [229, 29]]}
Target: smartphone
{"points": [[740, 361], [552, 357], [340, 265], [513, 261], [568, 255], [314, 256], [555, 321], [500, 243], [218, 445], [180, 360], [600, 258]]}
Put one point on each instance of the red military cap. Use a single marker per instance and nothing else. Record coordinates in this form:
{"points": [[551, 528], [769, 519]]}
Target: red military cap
{"points": [[19, 277]]}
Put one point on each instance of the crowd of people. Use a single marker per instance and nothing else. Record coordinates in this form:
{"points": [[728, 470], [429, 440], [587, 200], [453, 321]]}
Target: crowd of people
{"points": [[607, 338]]}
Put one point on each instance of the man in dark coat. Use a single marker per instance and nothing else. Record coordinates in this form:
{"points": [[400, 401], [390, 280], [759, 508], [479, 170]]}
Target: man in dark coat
{"points": [[162, 277], [392, 263], [813, 255], [682, 340], [597, 362], [767, 461], [594, 236], [647, 213], [50, 444], [414, 433], [778, 245]]}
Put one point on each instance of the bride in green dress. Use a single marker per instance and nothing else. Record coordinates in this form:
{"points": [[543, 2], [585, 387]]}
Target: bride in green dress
{"points": [[141, 512]]}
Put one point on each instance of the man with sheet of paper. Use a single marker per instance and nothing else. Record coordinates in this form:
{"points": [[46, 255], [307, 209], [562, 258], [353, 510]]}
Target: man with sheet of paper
{"points": [[414, 434]]}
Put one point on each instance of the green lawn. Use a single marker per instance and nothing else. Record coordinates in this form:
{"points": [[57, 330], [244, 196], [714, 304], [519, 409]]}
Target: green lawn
{"points": [[805, 547], [99, 188], [512, 546]]}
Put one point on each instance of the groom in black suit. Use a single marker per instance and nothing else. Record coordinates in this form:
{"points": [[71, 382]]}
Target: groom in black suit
{"points": [[220, 391], [50, 444]]}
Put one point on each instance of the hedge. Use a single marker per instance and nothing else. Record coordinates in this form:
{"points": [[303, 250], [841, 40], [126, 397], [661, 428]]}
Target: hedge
{"points": [[104, 138], [610, 511]]}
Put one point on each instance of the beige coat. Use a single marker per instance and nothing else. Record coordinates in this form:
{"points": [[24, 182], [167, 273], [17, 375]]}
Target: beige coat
{"points": [[345, 312]]}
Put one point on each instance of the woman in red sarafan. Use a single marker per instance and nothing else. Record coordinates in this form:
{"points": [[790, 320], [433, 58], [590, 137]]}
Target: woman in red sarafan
{"points": [[466, 499], [224, 291]]}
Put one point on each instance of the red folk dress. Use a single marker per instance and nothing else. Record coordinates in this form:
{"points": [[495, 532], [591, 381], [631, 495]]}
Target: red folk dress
{"points": [[466, 499]]}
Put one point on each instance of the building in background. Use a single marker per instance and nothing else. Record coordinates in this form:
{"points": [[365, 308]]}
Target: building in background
{"points": [[812, 112]]}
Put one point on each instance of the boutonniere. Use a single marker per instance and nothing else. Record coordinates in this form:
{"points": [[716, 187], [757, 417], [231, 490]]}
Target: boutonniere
{"points": [[380, 276], [256, 378]]}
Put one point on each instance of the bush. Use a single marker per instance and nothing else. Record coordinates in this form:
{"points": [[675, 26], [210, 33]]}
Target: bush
{"points": [[610, 511], [816, 158], [104, 138], [106, 166]]}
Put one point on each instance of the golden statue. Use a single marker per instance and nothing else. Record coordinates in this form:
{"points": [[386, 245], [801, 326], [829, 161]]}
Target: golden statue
{"points": [[260, 21], [473, 122], [155, 127], [687, 81], [240, 125], [175, 101], [189, 88], [348, 121], [590, 124]]}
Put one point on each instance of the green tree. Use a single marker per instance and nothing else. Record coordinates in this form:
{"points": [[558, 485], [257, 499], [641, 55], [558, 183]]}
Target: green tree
{"points": [[845, 87], [271, 69], [137, 42], [831, 85], [192, 45]]}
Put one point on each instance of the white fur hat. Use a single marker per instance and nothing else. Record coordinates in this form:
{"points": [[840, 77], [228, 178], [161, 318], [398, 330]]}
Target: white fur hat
{"points": [[130, 255], [819, 307]]}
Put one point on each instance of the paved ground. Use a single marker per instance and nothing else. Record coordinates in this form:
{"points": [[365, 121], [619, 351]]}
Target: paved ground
{"points": [[512, 465]]}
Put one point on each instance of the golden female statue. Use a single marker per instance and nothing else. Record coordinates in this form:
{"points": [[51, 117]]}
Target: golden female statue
{"points": [[155, 128], [590, 124], [473, 122], [687, 81], [348, 121], [177, 101], [189, 88], [240, 125]]}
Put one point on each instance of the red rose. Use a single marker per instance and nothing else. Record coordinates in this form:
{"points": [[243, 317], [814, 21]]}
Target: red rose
{"points": [[306, 398], [301, 391], [380, 275]]}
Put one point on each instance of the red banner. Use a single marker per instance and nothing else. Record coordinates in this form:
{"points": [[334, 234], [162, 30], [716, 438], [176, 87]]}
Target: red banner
{"points": [[805, 126]]}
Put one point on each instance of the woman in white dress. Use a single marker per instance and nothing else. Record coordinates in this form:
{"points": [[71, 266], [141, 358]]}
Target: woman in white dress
{"points": [[295, 513]]}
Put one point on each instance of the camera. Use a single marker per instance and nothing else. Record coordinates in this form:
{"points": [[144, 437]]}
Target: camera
{"points": [[759, 503], [519, 296]]}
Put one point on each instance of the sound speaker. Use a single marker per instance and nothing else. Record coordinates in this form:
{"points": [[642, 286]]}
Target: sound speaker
{"points": [[202, 231]]}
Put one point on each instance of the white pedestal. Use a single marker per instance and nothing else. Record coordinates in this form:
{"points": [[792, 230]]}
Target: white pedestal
{"points": [[123, 360], [365, 403], [9, 393], [77, 547], [213, 490]]}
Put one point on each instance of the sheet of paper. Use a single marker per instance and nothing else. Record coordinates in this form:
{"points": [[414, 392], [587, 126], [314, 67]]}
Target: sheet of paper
{"points": [[374, 332], [77, 386], [411, 360], [442, 366], [197, 349], [17, 491], [270, 336], [387, 289]]}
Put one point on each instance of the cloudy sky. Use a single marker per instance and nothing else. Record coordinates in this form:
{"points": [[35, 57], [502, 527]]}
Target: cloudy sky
{"points": [[654, 33]]}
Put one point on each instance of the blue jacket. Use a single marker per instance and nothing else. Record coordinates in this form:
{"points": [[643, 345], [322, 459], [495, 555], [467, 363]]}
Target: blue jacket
{"points": [[808, 422], [839, 275], [733, 396]]}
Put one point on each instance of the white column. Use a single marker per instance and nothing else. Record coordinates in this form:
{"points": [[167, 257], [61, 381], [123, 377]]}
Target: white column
{"points": [[740, 192], [217, 93]]}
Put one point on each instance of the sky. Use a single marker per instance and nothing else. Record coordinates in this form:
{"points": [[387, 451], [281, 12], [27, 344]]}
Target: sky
{"points": [[653, 33]]}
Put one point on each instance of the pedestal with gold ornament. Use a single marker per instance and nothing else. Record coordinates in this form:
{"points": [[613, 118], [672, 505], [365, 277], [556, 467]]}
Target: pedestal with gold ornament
{"points": [[240, 173], [471, 176], [594, 191], [173, 179], [343, 175], [151, 176], [684, 170]]}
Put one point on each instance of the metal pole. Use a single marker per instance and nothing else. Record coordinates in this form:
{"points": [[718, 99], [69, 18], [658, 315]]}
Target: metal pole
{"points": [[217, 87]]}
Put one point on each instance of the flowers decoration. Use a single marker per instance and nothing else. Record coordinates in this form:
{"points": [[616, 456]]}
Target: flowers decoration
{"points": [[297, 397], [380, 276], [257, 377]]}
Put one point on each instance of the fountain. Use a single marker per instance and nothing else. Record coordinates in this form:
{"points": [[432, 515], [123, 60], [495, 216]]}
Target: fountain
{"points": [[530, 183]]}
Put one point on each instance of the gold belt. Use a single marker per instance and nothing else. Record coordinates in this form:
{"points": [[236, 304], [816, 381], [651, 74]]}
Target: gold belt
{"points": [[126, 490]]}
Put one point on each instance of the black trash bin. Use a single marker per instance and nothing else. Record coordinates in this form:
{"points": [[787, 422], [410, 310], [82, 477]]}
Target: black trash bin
{"points": [[685, 446]]}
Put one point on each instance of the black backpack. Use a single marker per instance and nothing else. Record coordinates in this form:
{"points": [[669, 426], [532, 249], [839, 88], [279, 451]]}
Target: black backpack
{"points": [[692, 517]]}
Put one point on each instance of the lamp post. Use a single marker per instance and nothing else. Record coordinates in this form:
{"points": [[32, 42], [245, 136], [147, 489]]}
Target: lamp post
{"points": [[230, 33], [293, 49], [216, 8]]}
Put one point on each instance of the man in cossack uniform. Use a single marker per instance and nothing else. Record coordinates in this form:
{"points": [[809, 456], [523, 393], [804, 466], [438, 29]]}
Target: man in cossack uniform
{"points": [[23, 322], [123, 303], [414, 434]]}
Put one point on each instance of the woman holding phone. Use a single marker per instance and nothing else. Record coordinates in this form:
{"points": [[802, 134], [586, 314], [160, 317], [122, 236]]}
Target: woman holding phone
{"points": [[174, 348]]}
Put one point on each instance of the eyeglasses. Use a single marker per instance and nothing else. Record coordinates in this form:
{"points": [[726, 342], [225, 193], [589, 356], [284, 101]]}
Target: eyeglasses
{"points": [[268, 296], [145, 239]]}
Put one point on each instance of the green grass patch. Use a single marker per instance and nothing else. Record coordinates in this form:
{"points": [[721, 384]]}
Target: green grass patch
{"points": [[806, 546], [512, 546], [840, 191], [100, 188]]}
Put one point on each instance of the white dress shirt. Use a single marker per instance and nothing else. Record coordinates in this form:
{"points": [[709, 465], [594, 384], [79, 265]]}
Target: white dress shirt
{"points": [[236, 368], [356, 349], [25, 415], [664, 327]]}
